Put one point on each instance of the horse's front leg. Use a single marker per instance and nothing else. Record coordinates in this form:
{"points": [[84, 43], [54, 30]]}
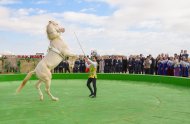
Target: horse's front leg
{"points": [[68, 53], [47, 89], [38, 84]]}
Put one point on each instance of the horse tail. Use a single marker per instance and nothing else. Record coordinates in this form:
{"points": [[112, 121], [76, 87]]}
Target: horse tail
{"points": [[28, 76]]}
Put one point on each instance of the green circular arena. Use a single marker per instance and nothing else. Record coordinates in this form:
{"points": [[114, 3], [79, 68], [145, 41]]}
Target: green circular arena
{"points": [[121, 99]]}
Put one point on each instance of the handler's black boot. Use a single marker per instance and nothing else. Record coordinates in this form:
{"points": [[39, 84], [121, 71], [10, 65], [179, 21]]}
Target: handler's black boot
{"points": [[91, 95]]}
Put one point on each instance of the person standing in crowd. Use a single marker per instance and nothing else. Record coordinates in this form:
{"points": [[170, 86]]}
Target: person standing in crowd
{"points": [[98, 64], [176, 66], [130, 65], [142, 61], [118, 66], [106, 67], [185, 54], [114, 64], [152, 66], [76, 66], [66, 65], [159, 65], [124, 64], [170, 65], [92, 65], [180, 55], [156, 64], [101, 65], [61, 66], [137, 65], [165, 66], [110, 64], [184, 67], [147, 64], [82, 65], [58, 68]]}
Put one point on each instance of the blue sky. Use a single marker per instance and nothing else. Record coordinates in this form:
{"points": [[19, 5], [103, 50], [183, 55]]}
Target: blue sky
{"points": [[109, 26], [64, 5]]}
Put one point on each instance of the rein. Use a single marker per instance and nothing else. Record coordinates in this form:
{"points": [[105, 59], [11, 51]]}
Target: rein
{"points": [[53, 49]]}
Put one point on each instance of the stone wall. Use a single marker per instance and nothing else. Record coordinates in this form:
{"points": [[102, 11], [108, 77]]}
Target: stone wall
{"points": [[23, 65], [1, 66]]}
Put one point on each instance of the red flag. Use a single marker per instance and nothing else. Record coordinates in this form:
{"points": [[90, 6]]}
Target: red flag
{"points": [[87, 70]]}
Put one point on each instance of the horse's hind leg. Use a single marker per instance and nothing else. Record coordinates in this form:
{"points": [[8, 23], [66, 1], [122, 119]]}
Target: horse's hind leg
{"points": [[38, 84], [48, 83]]}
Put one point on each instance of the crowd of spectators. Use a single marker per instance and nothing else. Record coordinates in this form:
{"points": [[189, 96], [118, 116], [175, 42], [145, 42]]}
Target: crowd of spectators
{"points": [[63, 66], [163, 64]]}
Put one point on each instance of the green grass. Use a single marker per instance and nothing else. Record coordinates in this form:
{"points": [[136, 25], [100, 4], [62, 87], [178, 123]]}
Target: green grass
{"points": [[117, 102]]}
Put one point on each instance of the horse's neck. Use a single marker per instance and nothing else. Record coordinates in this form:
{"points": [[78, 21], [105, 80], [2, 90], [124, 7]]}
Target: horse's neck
{"points": [[59, 43]]}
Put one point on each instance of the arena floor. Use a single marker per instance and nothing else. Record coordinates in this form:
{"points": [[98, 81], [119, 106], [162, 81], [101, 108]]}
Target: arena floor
{"points": [[117, 102]]}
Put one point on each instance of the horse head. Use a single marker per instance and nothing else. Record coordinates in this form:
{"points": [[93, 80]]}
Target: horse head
{"points": [[54, 30]]}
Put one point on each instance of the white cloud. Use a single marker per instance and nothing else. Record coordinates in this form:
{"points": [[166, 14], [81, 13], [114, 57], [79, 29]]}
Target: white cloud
{"points": [[136, 26], [85, 19], [170, 13], [41, 2], [21, 21], [27, 12], [5, 2], [4, 12], [88, 10], [143, 25]]}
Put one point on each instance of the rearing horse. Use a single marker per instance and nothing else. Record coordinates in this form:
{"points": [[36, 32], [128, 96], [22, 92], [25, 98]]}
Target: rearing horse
{"points": [[57, 50]]}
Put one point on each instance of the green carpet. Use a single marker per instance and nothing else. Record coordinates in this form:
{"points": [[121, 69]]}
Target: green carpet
{"points": [[117, 102]]}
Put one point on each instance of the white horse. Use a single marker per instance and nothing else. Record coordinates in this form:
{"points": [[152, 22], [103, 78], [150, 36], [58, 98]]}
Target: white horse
{"points": [[57, 50]]}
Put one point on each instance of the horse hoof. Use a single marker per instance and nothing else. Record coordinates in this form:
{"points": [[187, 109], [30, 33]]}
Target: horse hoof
{"points": [[41, 98], [55, 99]]}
